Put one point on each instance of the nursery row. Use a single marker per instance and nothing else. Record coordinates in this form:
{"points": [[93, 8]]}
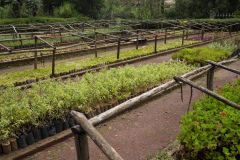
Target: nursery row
{"points": [[49, 102], [12, 77], [211, 130], [216, 51]]}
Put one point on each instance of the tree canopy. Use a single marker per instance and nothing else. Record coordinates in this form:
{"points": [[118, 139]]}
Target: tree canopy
{"points": [[111, 9]]}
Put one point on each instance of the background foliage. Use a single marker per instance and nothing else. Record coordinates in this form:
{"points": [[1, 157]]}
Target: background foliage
{"points": [[111, 9]]}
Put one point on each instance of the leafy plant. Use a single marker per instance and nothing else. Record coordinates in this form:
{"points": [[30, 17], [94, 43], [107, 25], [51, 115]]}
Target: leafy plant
{"points": [[11, 77], [200, 55], [211, 130], [22, 111]]}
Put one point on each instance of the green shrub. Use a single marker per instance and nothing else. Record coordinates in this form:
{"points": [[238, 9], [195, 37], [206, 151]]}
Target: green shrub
{"points": [[212, 129], [40, 20], [200, 55]]}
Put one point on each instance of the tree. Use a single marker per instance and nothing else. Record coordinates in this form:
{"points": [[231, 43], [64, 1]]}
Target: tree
{"points": [[201, 8], [90, 8], [33, 6], [49, 5], [16, 7]]}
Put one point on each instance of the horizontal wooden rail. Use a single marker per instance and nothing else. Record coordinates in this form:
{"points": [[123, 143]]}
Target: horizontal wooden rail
{"points": [[103, 145], [45, 41], [207, 91], [224, 67]]}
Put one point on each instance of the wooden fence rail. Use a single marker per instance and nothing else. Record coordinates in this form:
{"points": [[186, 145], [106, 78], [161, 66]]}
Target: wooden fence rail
{"points": [[81, 139]]}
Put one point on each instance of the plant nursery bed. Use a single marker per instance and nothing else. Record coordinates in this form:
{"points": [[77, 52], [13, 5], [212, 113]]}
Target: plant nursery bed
{"points": [[138, 133]]}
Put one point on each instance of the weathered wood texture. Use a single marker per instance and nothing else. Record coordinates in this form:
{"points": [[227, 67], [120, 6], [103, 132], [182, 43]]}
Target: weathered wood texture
{"points": [[96, 136], [207, 91], [81, 143]]}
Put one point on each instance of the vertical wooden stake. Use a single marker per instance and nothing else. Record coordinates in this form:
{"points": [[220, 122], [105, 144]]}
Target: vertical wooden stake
{"points": [[53, 61], [238, 27], [35, 54], [118, 48], [81, 143], [155, 46], [183, 34], [20, 39], [210, 76], [60, 36], [187, 34], [82, 27], [230, 31], [137, 39], [165, 39], [95, 46], [202, 35]]}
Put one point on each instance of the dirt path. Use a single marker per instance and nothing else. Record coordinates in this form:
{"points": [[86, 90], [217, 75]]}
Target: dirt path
{"points": [[141, 131]]}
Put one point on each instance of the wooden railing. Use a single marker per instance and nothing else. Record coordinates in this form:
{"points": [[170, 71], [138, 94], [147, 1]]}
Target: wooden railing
{"points": [[81, 140], [209, 89]]}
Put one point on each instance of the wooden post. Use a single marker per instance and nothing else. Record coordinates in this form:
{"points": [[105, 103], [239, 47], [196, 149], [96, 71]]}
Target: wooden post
{"points": [[238, 27], [137, 39], [211, 93], [82, 27], [81, 143], [95, 44], [202, 34], [118, 48], [165, 39], [102, 144], [53, 62], [210, 75], [187, 34], [155, 46], [20, 40], [35, 54], [230, 30], [183, 34], [223, 67], [60, 36]]}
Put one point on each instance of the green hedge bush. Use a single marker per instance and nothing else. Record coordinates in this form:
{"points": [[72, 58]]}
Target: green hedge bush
{"points": [[212, 129], [41, 20]]}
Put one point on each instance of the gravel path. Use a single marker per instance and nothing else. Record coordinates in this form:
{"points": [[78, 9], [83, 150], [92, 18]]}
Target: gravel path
{"points": [[144, 129]]}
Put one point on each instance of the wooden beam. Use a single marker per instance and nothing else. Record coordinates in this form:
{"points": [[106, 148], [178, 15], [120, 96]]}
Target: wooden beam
{"points": [[211, 93], [81, 143], [103, 145], [224, 67]]}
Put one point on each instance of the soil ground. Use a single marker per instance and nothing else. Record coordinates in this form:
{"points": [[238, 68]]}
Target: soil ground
{"points": [[142, 131]]}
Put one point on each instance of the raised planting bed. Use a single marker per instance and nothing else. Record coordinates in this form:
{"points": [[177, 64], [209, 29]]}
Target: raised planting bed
{"points": [[45, 107], [65, 68], [216, 51], [211, 129]]}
